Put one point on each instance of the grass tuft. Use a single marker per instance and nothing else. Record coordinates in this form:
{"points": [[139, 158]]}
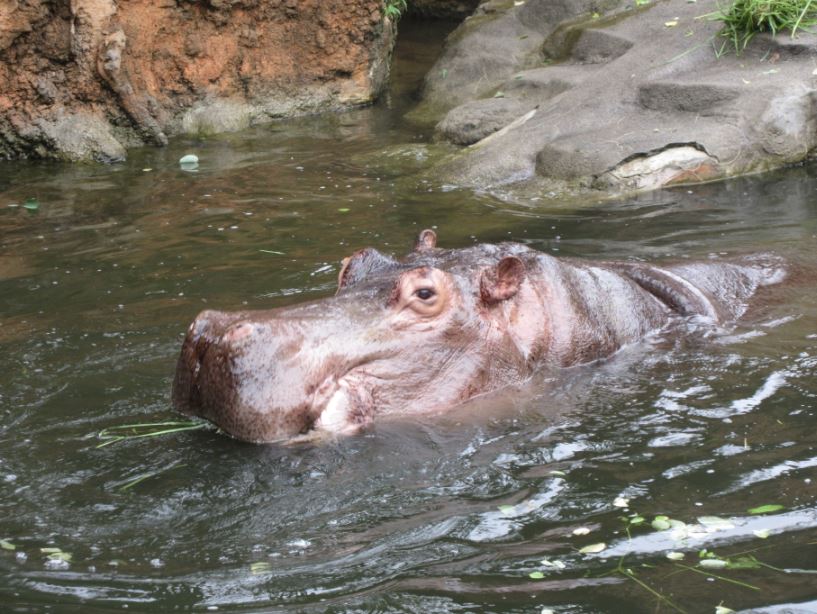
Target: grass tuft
{"points": [[394, 9], [745, 18]]}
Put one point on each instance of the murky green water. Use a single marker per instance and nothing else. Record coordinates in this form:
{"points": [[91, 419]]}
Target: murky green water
{"points": [[439, 514]]}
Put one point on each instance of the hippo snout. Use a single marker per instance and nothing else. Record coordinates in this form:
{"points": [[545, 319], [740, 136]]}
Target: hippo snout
{"points": [[228, 373], [202, 345]]}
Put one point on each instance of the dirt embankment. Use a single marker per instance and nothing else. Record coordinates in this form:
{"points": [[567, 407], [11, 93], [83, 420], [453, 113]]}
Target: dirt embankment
{"points": [[86, 79]]}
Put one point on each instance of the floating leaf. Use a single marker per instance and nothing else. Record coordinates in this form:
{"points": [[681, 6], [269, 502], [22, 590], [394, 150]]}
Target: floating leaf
{"points": [[636, 520], [761, 533], [558, 473], [344, 210], [593, 548], [499, 95], [260, 567], [7, 545], [722, 609], [713, 563], [675, 556], [581, 531], [536, 575], [671, 24], [50, 550], [661, 523], [767, 509], [31, 204], [507, 509], [60, 556]]}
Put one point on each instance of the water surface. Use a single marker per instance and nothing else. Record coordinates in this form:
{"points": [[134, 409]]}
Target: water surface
{"points": [[436, 514]]}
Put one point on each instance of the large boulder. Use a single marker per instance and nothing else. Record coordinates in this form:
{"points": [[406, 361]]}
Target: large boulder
{"points": [[86, 79], [633, 99]]}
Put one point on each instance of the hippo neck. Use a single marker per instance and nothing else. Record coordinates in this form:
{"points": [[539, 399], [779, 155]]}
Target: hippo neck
{"points": [[590, 311]]}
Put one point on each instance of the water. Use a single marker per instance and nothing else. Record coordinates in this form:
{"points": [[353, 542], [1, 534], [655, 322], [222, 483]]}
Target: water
{"points": [[435, 514]]}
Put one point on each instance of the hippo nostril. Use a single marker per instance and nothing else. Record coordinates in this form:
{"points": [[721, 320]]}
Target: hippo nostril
{"points": [[238, 332]]}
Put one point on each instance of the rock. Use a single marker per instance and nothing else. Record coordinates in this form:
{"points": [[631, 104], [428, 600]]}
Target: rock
{"points": [[212, 117], [623, 101], [133, 73], [473, 121], [788, 125], [74, 137]]}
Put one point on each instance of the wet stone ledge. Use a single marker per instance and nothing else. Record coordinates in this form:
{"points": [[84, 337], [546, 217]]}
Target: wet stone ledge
{"points": [[566, 98]]}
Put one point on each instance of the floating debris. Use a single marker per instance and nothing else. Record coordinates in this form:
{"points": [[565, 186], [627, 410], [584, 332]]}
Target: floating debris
{"points": [[114, 434], [593, 548], [767, 509], [190, 162]]}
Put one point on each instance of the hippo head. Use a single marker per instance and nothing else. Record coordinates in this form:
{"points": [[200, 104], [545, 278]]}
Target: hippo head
{"points": [[418, 334]]}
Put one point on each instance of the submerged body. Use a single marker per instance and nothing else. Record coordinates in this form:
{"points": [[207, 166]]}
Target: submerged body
{"points": [[432, 330]]}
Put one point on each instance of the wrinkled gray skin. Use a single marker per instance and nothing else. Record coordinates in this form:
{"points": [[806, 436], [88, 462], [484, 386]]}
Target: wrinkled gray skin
{"points": [[433, 330]]}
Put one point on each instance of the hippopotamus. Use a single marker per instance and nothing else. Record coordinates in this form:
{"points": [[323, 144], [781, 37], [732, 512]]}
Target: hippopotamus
{"points": [[434, 329]]}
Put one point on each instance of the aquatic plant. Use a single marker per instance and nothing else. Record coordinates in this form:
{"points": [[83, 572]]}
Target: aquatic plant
{"points": [[114, 434], [744, 18]]}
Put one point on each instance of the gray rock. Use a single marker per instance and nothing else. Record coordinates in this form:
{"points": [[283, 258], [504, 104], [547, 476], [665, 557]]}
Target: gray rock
{"points": [[637, 100], [498, 40], [213, 117], [473, 121], [77, 137]]}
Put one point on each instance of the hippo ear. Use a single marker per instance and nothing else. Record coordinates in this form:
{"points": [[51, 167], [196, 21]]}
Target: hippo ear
{"points": [[501, 282], [427, 239]]}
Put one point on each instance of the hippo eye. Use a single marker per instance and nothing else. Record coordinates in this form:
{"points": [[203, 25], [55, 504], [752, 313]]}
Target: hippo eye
{"points": [[424, 293]]}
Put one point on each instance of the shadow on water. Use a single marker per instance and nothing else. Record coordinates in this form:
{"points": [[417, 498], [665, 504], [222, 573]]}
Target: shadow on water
{"points": [[439, 514]]}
